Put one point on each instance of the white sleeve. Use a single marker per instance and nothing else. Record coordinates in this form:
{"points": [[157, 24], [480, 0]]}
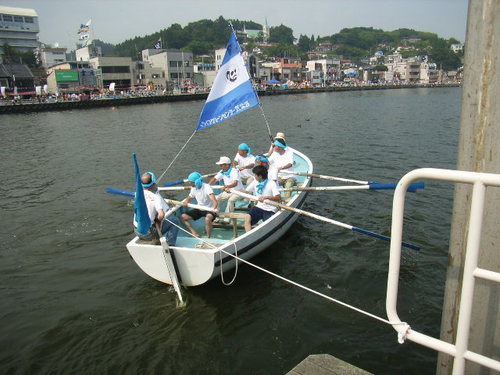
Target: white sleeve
{"points": [[251, 188]]}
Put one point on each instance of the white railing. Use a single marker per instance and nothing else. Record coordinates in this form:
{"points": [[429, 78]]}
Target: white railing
{"points": [[459, 350]]}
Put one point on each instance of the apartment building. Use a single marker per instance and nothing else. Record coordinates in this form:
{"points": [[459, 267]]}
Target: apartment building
{"points": [[19, 28], [177, 65], [51, 56]]}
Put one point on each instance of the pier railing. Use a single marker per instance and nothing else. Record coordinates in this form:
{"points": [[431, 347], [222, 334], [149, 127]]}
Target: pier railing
{"points": [[459, 350]]}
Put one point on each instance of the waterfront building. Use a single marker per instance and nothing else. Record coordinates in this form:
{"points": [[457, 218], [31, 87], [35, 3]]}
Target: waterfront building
{"points": [[145, 76], [177, 65], [429, 72], [204, 74], [71, 76], [51, 56], [266, 73], [16, 77], [219, 56], [88, 52], [19, 28], [291, 70], [329, 70], [117, 70]]}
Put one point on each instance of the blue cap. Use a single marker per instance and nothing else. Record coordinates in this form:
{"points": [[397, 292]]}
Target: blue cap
{"points": [[262, 158], [153, 180], [197, 178], [244, 146]]}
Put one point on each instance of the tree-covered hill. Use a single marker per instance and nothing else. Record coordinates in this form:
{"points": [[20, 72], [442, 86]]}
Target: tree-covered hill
{"points": [[204, 36]]}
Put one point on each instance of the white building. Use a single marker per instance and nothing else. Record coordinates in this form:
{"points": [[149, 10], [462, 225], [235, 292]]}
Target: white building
{"points": [[19, 28], [457, 47], [219, 56], [329, 69], [177, 65], [52, 56], [429, 72], [88, 52]]}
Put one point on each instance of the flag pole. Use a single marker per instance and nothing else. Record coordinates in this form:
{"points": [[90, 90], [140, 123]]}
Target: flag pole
{"points": [[256, 94]]}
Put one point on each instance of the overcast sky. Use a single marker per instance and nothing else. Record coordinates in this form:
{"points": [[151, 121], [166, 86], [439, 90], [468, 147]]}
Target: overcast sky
{"points": [[115, 21]]}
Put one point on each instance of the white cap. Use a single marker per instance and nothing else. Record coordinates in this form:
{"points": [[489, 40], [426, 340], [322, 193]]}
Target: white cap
{"points": [[223, 160], [280, 135]]}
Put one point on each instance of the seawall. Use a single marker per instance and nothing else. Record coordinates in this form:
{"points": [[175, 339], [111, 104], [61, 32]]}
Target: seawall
{"points": [[115, 102]]}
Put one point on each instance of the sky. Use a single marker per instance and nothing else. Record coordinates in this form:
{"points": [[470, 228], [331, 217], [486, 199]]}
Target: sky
{"points": [[115, 21]]}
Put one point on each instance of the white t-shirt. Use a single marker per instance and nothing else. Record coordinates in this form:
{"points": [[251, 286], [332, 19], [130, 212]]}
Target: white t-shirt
{"points": [[243, 161], [272, 173], [228, 180], [154, 203], [277, 161], [202, 195], [270, 190]]}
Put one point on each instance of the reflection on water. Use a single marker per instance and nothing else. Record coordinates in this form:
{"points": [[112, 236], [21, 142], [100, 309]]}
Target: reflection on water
{"points": [[74, 301]]}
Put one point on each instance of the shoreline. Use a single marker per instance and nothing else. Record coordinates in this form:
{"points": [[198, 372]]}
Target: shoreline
{"points": [[115, 102]]}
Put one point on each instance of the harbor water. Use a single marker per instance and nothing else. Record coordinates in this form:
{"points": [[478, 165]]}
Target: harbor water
{"points": [[73, 301]]}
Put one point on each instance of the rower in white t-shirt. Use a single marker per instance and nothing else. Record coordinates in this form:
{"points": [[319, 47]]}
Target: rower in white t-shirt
{"points": [[231, 178], [204, 196], [244, 161], [282, 160], [264, 189]]}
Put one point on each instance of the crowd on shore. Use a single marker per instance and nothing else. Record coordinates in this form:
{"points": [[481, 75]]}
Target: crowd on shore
{"points": [[85, 95]]}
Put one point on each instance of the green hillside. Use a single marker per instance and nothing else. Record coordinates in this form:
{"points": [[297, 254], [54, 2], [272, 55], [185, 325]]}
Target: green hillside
{"points": [[204, 36]]}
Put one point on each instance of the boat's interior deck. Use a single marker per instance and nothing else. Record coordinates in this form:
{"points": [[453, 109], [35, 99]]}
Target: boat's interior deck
{"points": [[223, 232]]}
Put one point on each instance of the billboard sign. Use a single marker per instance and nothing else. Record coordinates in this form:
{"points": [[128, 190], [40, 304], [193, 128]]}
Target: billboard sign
{"points": [[62, 76]]}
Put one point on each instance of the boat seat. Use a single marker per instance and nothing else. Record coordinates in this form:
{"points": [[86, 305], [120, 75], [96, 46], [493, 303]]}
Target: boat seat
{"points": [[234, 216]]}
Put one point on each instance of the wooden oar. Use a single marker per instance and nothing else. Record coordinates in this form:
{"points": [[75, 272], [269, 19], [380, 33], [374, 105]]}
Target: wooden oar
{"points": [[182, 181], [127, 193], [322, 218], [179, 188], [333, 178], [371, 186], [230, 215]]}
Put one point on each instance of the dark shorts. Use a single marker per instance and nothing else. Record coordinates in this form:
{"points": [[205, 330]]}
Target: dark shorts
{"points": [[196, 214], [257, 213]]}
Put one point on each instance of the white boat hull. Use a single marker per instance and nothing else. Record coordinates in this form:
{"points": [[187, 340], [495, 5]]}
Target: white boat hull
{"points": [[196, 266]]}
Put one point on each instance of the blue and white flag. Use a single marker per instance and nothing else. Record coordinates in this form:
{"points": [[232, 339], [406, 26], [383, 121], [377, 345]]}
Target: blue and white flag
{"points": [[232, 91], [158, 44], [140, 208]]}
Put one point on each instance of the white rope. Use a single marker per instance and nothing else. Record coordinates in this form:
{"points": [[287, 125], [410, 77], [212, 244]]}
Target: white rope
{"points": [[236, 266], [213, 247], [265, 118], [292, 282], [176, 156]]}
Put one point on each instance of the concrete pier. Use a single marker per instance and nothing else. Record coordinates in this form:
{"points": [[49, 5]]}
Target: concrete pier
{"points": [[325, 364], [479, 152]]}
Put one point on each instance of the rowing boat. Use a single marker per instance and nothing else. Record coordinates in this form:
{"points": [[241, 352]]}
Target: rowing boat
{"points": [[198, 260]]}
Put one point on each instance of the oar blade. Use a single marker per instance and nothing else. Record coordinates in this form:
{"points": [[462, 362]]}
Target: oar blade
{"points": [[126, 193], [173, 183]]}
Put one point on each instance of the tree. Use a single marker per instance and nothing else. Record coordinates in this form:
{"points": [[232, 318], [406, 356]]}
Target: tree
{"points": [[175, 37], [443, 55], [199, 48], [281, 34], [304, 43]]}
